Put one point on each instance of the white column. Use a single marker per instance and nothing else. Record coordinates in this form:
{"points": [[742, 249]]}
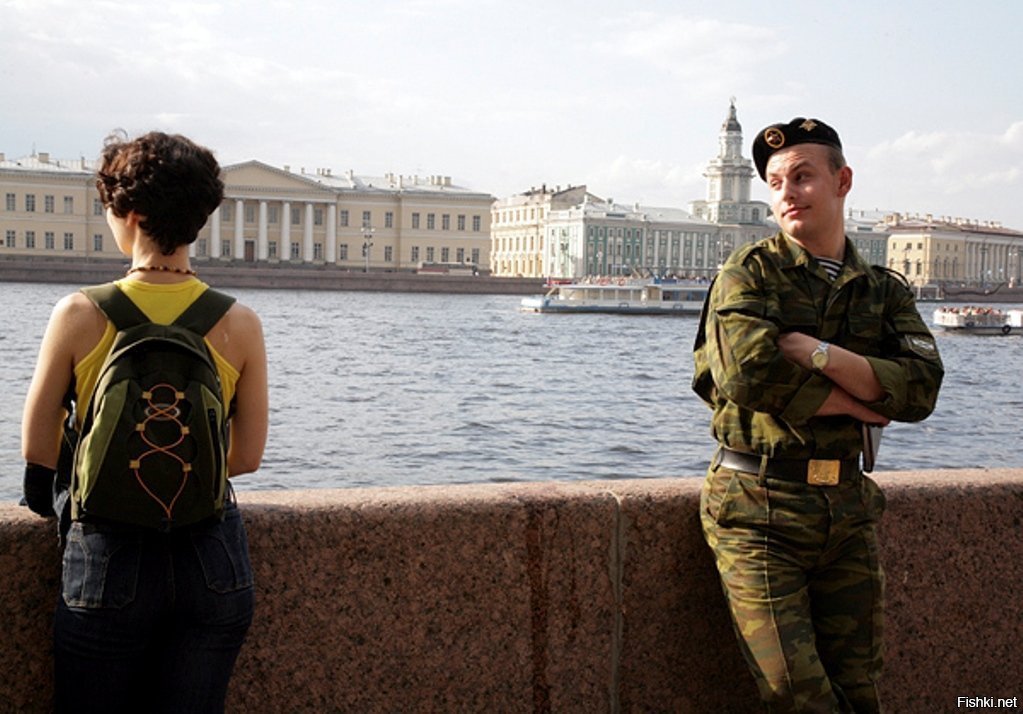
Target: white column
{"points": [[307, 234], [285, 252], [330, 254], [238, 252], [261, 242], [215, 234]]}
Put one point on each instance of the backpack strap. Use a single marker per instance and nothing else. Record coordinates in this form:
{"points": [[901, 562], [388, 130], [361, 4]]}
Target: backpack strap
{"points": [[205, 312], [117, 306], [199, 317]]}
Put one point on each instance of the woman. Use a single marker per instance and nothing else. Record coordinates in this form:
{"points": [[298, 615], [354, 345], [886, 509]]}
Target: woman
{"points": [[160, 626]]}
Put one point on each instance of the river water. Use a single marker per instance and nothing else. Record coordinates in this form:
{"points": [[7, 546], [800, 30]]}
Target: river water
{"points": [[390, 389]]}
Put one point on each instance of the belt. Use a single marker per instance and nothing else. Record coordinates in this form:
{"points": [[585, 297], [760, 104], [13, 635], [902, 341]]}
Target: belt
{"points": [[816, 472]]}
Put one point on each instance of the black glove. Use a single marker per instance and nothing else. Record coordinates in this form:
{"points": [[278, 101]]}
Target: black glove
{"points": [[38, 489]]}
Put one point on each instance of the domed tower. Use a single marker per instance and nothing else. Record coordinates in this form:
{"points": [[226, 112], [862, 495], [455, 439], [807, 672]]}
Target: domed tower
{"points": [[729, 177]]}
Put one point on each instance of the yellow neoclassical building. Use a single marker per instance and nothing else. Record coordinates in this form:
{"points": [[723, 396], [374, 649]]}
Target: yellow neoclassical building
{"points": [[269, 215], [945, 251]]}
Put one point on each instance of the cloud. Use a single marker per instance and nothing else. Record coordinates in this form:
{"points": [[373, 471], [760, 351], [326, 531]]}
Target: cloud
{"points": [[947, 172], [704, 53]]}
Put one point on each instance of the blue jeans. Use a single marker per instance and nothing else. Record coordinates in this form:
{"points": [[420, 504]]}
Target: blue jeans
{"points": [[151, 622]]}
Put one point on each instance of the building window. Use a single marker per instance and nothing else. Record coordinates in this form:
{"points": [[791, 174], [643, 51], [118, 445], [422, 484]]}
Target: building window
{"points": [[10, 202], [200, 247], [445, 222], [317, 251], [415, 220], [294, 251], [431, 221], [296, 216], [445, 254], [389, 219], [461, 222], [250, 213], [460, 255], [344, 217], [475, 256], [476, 224], [342, 251], [317, 216], [388, 253], [97, 242], [271, 250], [30, 239], [69, 204], [47, 204], [226, 213], [367, 218], [272, 215], [49, 241], [415, 254], [429, 254], [225, 248], [9, 240], [30, 202], [97, 207]]}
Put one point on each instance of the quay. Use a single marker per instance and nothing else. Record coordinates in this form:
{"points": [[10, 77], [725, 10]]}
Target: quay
{"points": [[554, 597], [82, 271]]}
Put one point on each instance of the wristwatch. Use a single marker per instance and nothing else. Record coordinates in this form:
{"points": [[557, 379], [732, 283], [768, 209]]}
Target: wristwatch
{"points": [[819, 357]]}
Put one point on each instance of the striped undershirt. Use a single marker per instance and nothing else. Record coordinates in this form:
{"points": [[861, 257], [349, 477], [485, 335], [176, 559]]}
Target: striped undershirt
{"points": [[831, 267]]}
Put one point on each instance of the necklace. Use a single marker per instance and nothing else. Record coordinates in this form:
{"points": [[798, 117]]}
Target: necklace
{"points": [[159, 268]]}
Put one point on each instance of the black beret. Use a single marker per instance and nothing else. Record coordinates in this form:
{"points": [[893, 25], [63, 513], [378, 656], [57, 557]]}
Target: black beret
{"points": [[798, 131]]}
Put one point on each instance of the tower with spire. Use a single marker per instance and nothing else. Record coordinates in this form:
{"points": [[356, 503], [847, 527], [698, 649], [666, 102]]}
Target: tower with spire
{"points": [[729, 176]]}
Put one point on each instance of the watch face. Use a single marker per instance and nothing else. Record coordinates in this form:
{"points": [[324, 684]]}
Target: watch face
{"points": [[819, 358]]}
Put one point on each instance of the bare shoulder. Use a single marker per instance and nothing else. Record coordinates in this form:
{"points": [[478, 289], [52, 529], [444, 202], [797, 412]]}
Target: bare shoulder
{"points": [[238, 337]]}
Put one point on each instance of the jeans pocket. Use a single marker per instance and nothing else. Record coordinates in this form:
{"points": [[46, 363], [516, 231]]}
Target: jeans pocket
{"points": [[100, 567], [222, 549]]}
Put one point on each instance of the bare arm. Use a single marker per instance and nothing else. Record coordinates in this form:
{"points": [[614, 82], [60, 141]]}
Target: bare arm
{"points": [[250, 422], [74, 328]]}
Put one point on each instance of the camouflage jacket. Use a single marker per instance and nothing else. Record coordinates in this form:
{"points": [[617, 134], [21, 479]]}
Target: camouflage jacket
{"points": [[765, 404]]}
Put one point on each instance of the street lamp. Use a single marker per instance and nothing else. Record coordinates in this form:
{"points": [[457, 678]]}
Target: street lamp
{"points": [[367, 243]]}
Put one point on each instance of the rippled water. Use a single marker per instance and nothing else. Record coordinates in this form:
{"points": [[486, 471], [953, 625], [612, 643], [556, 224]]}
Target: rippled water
{"points": [[371, 389]]}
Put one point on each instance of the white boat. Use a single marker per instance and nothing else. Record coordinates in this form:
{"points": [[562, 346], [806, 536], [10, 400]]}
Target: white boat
{"points": [[973, 320], [622, 296]]}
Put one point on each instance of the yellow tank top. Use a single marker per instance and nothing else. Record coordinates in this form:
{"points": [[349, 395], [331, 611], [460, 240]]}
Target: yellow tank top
{"points": [[162, 303]]}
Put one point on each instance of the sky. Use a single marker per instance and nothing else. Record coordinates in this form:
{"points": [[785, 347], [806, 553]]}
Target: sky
{"points": [[627, 98]]}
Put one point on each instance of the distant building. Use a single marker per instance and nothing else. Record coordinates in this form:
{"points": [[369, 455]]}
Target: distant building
{"points": [[518, 227], [573, 233], [945, 251], [268, 215]]}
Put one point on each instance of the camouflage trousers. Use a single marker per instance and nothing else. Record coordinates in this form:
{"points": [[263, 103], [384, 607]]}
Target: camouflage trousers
{"points": [[800, 571]]}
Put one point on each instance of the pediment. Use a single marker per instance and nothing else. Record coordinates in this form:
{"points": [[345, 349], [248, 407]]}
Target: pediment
{"points": [[257, 177]]}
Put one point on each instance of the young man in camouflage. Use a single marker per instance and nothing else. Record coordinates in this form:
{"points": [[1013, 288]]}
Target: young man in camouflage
{"points": [[801, 344]]}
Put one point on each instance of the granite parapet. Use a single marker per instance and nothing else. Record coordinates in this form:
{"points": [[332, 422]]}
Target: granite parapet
{"points": [[536, 597]]}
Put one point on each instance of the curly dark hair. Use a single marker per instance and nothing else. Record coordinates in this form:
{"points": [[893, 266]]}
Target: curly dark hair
{"points": [[170, 182]]}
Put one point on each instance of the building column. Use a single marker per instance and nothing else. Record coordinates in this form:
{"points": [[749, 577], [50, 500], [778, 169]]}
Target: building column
{"points": [[238, 250], [285, 252], [307, 234], [262, 250], [330, 254], [214, 247]]}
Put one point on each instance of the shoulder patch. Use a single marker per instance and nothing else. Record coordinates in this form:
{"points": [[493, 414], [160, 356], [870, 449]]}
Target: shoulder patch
{"points": [[922, 345]]}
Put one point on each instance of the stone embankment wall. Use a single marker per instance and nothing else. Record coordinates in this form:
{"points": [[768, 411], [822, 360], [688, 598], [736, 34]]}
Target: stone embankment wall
{"points": [[276, 275], [560, 597]]}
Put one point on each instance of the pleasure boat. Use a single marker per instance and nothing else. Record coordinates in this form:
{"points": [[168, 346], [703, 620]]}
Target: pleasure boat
{"points": [[973, 320], [622, 296]]}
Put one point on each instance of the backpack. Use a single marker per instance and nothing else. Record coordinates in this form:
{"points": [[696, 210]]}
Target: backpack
{"points": [[152, 450]]}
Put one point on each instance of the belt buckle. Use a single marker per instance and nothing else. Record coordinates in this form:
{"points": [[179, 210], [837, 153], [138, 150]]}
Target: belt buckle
{"points": [[823, 472]]}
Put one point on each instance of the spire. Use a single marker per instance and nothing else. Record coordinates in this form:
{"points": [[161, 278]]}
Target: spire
{"points": [[731, 123]]}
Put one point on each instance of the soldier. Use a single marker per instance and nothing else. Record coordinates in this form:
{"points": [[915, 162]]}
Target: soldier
{"points": [[801, 345]]}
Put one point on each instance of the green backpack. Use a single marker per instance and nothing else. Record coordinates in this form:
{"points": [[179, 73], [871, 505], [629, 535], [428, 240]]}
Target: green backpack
{"points": [[152, 451]]}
